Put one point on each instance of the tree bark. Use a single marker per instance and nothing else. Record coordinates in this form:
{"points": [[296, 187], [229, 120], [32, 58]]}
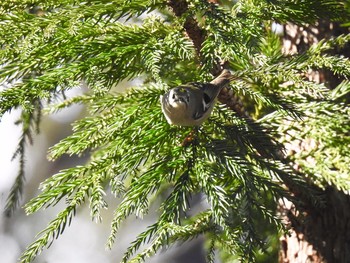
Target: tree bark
{"points": [[317, 234]]}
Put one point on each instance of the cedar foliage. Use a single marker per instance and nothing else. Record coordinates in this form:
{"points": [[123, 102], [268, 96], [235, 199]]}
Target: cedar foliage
{"points": [[235, 161]]}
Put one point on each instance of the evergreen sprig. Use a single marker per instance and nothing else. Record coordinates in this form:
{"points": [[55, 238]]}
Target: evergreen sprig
{"points": [[240, 165], [30, 122]]}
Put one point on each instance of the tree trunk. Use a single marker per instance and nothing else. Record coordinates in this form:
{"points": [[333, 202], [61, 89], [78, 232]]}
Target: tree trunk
{"points": [[317, 234], [323, 235]]}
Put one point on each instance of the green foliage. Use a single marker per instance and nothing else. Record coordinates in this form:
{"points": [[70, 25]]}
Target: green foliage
{"points": [[29, 122], [236, 163]]}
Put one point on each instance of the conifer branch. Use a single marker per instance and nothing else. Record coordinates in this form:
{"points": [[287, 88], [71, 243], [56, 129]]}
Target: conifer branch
{"points": [[194, 32], [30, 124], [238, 160], [48, 235]]}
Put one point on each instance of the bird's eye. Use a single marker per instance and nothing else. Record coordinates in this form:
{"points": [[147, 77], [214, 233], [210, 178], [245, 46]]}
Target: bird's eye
{"points": [[206, 98]]}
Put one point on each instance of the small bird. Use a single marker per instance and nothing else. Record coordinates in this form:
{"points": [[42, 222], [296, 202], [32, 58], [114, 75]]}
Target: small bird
{"points": [[192, 103]]}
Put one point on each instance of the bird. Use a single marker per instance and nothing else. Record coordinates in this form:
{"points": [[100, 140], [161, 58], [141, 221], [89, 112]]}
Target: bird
{"points": [[192, 103]]}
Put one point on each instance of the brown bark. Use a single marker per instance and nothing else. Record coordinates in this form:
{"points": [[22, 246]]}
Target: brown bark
{"points": [[318, 234]]}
